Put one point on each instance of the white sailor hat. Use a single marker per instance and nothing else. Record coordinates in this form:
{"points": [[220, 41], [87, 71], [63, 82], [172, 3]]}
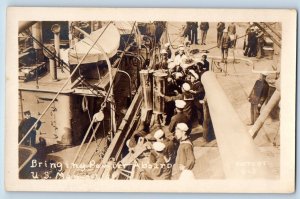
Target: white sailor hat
{"points": [[180, 103], [186, 87], [264, 73], [182, 126], [194, 74], [178, 75], [159, 134], [225, 30], [167, 44], [171, 65], [158, 146], [181, 48], [163, 51]]}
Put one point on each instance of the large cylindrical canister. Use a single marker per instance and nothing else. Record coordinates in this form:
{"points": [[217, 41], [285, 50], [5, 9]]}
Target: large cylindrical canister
{"points": [[159, 85], [146, 77]]}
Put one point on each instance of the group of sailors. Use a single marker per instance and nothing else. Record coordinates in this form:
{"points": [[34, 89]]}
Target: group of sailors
{"points": [[171, 149]]}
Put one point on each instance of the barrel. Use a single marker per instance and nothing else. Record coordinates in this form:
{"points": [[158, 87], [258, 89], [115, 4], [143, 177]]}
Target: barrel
{"points": [[146, 77], [159, 84]]}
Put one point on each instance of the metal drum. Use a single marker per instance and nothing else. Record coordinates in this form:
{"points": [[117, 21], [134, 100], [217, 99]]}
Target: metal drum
{"points": [[159, 85], [146, 77]]}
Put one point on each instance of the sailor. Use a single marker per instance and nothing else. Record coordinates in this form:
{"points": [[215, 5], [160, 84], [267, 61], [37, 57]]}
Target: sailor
{"points": [[170, 150], [159, 169], [204, 26], [198, 92], [251, 41], [189, 99], [231, 28], [185, 159], [180, 56], [205, 63], [194, 33], [167, 48], [171, 90], [225, 44], [258, 96], [179, 117], [220, 28], [25, 126], [232, 34], [260, 43], [179, 79], [163, 65]]}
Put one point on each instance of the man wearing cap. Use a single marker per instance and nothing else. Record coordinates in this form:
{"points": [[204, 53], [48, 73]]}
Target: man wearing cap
{"points": [[164, 61], [159, 169], [180, 56], [186, 96], [25, 126], [225, 44], [204, 26], [185, 159], [258, 96], [198, 92], [180, 116], [170, 149], [220, 28]]}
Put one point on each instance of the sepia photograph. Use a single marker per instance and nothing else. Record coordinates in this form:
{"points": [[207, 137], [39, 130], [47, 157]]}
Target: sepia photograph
{"points": [[197, 101]]}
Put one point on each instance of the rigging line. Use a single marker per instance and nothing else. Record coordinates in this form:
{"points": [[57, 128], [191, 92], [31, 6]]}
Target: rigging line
{"points": [[64, 85], [47, 49]]}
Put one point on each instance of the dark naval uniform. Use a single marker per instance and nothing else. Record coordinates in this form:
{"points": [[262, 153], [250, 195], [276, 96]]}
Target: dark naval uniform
{"points": [[159, 170], [180, 117], [170, 151], [257, 96], [198, 95], [185, 154], [188, 98], [24, 127]]}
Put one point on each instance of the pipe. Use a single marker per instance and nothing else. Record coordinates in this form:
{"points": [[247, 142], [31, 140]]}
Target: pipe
{"points": [[37, 34], [266, 111], [56, 31], [23, 25], [130, 87], [240, 156], [50, 53]]}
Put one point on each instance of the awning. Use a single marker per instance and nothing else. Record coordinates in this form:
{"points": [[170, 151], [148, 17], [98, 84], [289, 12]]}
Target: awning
{"points": [[125, 27], [109, 41]]}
